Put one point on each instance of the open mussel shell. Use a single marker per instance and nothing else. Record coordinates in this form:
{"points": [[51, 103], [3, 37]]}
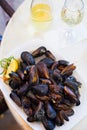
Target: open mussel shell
{"points": [[42, 70], [39, 52], [50, 55], [33, 76]]}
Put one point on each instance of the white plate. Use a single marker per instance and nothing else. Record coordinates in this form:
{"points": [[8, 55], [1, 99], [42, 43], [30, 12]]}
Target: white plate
{"points": [[80, 111]]}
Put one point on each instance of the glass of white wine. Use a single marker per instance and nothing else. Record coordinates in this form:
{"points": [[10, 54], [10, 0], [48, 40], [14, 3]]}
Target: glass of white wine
{"points": [[72, 14], [41, 13]]}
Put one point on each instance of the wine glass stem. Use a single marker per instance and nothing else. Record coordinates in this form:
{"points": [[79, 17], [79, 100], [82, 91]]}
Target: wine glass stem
{"points": [[69, 36]]}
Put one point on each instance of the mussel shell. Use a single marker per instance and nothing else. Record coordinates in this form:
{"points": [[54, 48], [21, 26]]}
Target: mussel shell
{"points": [[50, 111], [39, 52], [48, 124], [48, 61], [26, 103], [15, 98], [42, 70], [21, 74], [68, 70], [59, 119], [45, 81], [39, 112], [69, 112], [28, 111], [54, 65], [15, 81], [23, 89], [33, 76], [57, 76], [64, 115], [40, 89], [63, 62], [32, 97], [50, 55], [71, 94], [27, 58]]}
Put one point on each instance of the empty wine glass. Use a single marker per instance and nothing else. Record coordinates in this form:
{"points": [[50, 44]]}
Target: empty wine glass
{"points": [[72, 14]]}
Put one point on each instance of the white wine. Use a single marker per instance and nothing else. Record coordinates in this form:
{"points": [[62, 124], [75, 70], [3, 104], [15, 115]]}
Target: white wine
{"points": [[72, 17], [41, 12], [41, 16]]}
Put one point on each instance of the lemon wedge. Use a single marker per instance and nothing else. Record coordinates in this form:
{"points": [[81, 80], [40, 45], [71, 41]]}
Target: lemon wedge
{"points": [[13, 66]]}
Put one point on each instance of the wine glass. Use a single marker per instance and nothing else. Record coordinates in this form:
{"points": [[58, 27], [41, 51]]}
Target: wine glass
{"points": [[41, 14], [72, 14]]}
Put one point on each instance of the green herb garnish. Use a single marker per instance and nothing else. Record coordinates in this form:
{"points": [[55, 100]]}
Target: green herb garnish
{"points": [[4, 63]]}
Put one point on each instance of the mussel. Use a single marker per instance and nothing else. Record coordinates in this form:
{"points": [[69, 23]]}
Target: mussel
{"points": [[15, 98], [40, 89], [27, 58], [42, 70], [39, 52]]}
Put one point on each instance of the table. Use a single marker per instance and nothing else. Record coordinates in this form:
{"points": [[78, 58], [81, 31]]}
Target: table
{"points": [[20, 31]]}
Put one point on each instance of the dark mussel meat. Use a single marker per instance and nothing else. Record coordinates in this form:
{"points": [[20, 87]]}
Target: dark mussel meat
{"points": [[42, 70], [39, 52], [55, 98], [33, 76], [45, 81], [15, 80], [59, 119], [62, 107], [27, 58], [57, 76], [31, 118], [43, 98], [45, 88], [74, 86], [73, 97], [69, 112], [32, 97], [50, 55], [63, 114], [54, 65], [26, 103], [62, 64], [29, 112], [21, 74], [68, 70], [39, 112], [55, 88]]}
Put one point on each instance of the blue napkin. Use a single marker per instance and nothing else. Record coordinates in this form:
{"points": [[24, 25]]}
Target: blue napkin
{"points": [[0, 38]]}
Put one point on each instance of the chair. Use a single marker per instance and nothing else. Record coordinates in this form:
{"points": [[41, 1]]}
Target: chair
{"points": [[7, 8]]}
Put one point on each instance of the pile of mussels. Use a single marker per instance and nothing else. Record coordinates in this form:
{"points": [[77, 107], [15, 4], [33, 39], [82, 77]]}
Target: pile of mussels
{"points": [[46, 90]]}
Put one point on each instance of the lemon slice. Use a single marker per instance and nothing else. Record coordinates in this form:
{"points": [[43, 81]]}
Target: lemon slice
{"points": [[12, 67]]}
